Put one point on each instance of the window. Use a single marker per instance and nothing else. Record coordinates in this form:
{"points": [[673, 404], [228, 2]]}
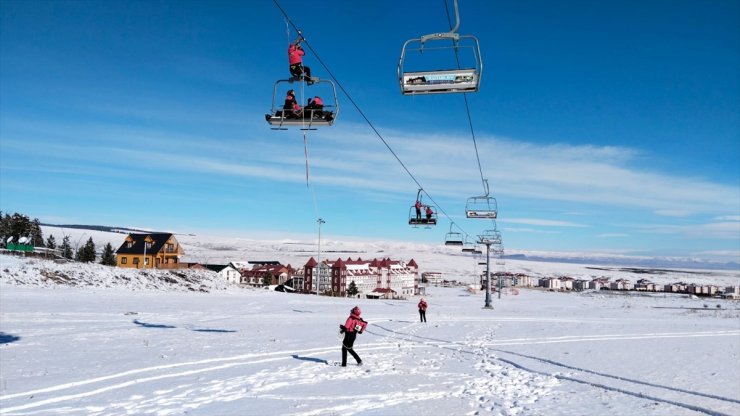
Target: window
{"points": [[146, 261], [124, 260], [170, 248], [148, 245], [136, 260], [129, 244]]}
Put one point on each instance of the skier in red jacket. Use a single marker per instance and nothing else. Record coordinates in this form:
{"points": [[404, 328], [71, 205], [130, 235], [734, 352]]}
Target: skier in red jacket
{"points": [[423, 310], [354, 325], [295, 59]]}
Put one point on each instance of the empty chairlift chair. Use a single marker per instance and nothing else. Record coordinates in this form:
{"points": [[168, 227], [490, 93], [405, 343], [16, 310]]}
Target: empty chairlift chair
{"points": [[484, 207], [453, 238], [451, 50]]}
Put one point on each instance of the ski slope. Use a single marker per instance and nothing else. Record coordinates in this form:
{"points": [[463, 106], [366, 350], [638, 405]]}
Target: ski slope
{"points": [[121, 350]]}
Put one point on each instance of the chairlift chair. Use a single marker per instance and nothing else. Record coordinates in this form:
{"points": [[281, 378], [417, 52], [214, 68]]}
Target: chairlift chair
{"points": [[312, 118], [484, 207], [422, 221], [453, 238], [442, 81], [468, 247]]}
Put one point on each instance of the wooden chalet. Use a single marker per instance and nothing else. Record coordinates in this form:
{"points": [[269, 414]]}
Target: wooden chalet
{"points": [[150, 251]]}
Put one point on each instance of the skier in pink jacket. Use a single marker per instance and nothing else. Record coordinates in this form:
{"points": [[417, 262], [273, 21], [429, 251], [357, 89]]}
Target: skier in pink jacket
{"points": [[295, 59], [354, 325]]}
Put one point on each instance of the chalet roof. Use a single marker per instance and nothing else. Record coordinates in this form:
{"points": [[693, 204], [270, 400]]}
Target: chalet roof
{"points": [[158, 241], [412, 263], [311, 263]]}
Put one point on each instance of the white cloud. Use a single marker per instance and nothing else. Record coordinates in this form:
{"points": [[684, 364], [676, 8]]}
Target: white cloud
{"points": [[529, 230], [715, 230], [541, 222], [728, 218], [612, 235]]}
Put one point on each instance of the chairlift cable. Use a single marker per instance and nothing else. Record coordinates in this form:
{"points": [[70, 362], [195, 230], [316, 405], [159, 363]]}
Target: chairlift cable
{"points": [[367, 120], [484, 181], [467, 106]]}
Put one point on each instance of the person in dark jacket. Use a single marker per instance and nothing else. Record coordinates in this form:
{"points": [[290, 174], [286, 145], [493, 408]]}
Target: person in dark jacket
{"points": [[423, 310], [354, 325], [291, 108]]}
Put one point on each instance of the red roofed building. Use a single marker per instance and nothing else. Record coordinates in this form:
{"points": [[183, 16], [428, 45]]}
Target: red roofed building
{"points": [[335, 276], [277, 274]]}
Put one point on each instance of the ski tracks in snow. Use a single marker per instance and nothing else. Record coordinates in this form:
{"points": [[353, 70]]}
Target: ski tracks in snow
{"points": [[406, 364]]}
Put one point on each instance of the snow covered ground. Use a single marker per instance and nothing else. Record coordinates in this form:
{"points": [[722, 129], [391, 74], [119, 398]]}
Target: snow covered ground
{"points": [[118, 342]]}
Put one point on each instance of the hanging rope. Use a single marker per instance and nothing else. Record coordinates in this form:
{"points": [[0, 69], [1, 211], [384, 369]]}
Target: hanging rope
{"points": [[305, 130], [308, 185]]}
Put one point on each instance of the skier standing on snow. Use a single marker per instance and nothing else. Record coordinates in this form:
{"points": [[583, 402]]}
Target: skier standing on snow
{"points": [[354, 325], [423, 310]]}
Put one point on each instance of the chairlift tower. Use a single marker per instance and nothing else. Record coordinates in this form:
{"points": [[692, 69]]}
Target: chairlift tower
{"points": [[486, 239]]}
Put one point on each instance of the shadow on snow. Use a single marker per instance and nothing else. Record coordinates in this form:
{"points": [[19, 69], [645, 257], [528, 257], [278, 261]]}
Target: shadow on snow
{"points": [[311, 359], [7, 338], [164, 326]]}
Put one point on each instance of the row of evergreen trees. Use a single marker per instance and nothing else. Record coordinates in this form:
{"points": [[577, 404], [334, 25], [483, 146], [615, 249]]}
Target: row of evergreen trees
{"points": [[19, 225]]}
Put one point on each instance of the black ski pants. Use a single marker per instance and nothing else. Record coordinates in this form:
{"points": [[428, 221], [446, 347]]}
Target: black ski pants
{"points": [[347, 344]]}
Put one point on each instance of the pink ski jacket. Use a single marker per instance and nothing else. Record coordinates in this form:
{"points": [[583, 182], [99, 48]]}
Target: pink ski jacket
{"points": [[354, 322], [295, 55]]}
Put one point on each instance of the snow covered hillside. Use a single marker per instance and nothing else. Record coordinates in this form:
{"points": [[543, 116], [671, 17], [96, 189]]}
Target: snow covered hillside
{"points": [[193, 345], [450, 261]]}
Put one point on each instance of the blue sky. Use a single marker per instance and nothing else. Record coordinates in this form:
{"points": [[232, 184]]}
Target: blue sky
{"points": [[601, 125]]}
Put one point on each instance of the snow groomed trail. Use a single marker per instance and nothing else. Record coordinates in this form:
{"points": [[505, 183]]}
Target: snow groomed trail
{"points": [[265, 353]]}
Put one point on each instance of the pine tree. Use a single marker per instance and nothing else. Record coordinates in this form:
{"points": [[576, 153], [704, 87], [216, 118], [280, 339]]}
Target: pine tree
{"points": [[86, 253], [108, 258], [34, 231], [352, 289], [51, 242], [66, 248]]}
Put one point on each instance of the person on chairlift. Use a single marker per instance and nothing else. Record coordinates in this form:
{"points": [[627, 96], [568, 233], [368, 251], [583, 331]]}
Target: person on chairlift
{"points": [[418, 210], [429, 213], [316, 105], [295, 59], [291, 108]]}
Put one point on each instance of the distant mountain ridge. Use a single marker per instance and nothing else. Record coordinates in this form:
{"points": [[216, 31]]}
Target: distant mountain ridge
{"points": [[622, 261], [100, 228]]}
